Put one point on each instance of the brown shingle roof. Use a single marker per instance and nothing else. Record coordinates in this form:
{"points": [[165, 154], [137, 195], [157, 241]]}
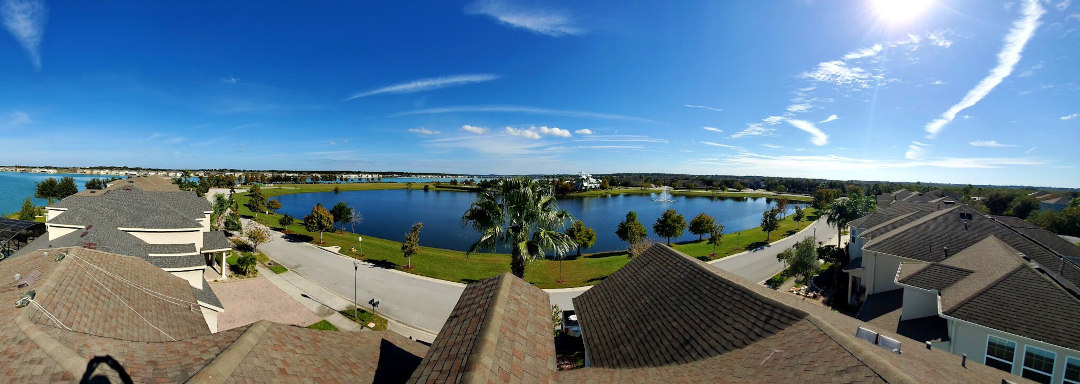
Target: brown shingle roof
{"points": [[936, 276], [499, 331]]}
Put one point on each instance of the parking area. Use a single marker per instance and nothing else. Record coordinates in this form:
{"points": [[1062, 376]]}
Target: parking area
{"points": [[250, 300]]}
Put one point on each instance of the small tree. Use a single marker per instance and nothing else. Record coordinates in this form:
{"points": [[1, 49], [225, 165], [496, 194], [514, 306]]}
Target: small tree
{"points": [[769, 223], [1023, 206], [781, 206], [28, 210], [232, 223], [716, 234], [411, 244], [342, 213], [799, 216], [670, 224], [337, 189], [256, 200], [320, 220], [583, 236], [285, 221], [256, 234], [630, 230], [701, 225], [246, 263], [274, 205], [801, 260], [46, 189]]}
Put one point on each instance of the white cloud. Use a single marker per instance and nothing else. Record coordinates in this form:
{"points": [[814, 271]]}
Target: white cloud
{"points": [[916, 151], [830, 118], [521, 109], [1022, 31], [797, 108], [428, 84], [817, 137], [773, 120], [767, 163], [474, 129], [1070, 117], [584, 131], [714, 129], [1029, 150], [538, 20], [938, 39], [622, 139], [989, 144], [838, 72], [865, 52], [175, 140], [754, 129], [19, 118], [526, 133], [553, 131], [1064, 4], [938, 82], [737, 148], [25, 19], [425, 131], [967, 116], [771, 146], [703, 107]]}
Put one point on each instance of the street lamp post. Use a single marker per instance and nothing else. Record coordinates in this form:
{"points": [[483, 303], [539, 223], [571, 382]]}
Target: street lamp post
{"points": [[356, 313], [360, 239]]}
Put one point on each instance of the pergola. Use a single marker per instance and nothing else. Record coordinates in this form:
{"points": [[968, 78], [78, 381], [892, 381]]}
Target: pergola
{"points": [[15, 234]]}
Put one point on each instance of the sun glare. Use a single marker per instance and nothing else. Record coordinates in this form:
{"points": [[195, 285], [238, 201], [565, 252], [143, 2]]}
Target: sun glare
{"points": [[896, 11]]}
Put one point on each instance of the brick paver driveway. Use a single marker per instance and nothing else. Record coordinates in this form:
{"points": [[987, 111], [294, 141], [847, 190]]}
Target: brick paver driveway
{"points": [[250, 300]]}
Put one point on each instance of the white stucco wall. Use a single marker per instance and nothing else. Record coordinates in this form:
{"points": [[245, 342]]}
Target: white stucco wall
{"points": [[55, 232], [971, 339], [193, 277], [205, 221], [51, 213], [880, 272], [211, 318], [918, 303], [186, 237]]}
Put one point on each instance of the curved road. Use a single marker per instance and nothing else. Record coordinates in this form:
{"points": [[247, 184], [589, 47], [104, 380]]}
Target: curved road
{"points": [[426, 303]]}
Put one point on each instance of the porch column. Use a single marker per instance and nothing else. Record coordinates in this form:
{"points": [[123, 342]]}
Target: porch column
{"points": [[224, 274]]}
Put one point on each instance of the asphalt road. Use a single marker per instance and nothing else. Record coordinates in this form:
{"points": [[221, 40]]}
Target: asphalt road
{"points": [[760, 264]]}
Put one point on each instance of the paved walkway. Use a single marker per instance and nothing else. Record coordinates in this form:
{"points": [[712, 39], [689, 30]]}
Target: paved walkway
{"points": [[316, 299], [760, 264], [251, 300]]}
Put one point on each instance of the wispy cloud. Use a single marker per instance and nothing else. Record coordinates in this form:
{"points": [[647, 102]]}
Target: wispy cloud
{"points": [[230, 80], [424, 131], [1030, 150], [474, 129], [427, 84], [19, 118], [817, 137], [585, 131], [526, 133], [754, 129], [25, 19], [938, 82], [797, 108], [703, 107], [622, 139], [1022, 31], [544, 21], [737, 148], [830, 118], [521, 109], [916, 151], [1070, 117], [1063, 5], [768, 163], [714, 129], [866, 52], [989, 144], [839, 73], [771, 146]]}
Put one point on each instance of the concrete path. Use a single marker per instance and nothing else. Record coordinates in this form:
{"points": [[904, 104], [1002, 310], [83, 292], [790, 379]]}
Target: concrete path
{"points": [[760, 264]]}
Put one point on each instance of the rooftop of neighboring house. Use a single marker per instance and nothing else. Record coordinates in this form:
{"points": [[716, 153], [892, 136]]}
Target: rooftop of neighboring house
{"points": [[130, 206], [992, 284], [112, 316], [890, 213]]}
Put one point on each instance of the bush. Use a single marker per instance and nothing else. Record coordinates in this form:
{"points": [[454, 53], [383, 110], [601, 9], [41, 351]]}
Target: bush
{"points": [[232, 224]]}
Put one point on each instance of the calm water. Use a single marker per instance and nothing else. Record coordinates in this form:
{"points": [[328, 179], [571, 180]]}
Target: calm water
{"points": [[14, 187], [388, 214]]}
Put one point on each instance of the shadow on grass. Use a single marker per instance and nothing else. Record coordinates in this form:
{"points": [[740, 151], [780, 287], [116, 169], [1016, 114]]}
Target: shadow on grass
{"points": [[384, 264], [599, 255], [469, 281], [704, 258]]}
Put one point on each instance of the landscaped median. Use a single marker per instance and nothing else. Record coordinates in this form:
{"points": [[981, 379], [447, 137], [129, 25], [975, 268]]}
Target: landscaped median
{"points": [[453, 266]]}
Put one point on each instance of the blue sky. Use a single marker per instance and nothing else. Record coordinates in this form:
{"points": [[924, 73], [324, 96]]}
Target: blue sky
{"points": [[959, 91]]}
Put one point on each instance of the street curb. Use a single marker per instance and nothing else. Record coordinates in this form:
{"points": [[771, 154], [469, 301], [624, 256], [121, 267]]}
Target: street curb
{"points": [[432, 279]]}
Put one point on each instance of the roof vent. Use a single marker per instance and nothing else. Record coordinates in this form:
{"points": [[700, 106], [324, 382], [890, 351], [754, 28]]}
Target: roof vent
{"points": [[90, 245]]}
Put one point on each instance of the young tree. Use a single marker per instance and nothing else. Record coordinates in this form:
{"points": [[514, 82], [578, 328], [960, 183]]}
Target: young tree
{"points": [[584, 237], [521, 214], [221, 204], [286, 221], [256, 234], [232, 223], [769, 223], [66, 188], [256, 200], [998, 202], [320, 220], [799, 216], [342, 212], [670, 224], [716, 234], [801, 259], [96, 184], [701, 225], [781, 206], [631, 230], [411, 244], [28, 210], [46, 189], [246, 263], [273, 205]]}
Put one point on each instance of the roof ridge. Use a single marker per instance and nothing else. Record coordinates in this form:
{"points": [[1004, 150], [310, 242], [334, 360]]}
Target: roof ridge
{"points": [[491, 324], [905, 227], [225, 363], [984, 289], [879, 366], [1062, 260]]}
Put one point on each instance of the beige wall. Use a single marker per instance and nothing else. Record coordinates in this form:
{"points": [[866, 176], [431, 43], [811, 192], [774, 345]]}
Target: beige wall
{"points": [[211, 318], [205, 221], [918, 303], [55, 232], [186, 237], [193, 277], [880, 272], [51, 213], [971, 339]]}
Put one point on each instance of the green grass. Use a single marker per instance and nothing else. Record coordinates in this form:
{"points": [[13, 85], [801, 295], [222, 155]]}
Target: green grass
{"points": [[452, 265], [365, 318], [278, 269], [323, 325], [733, 243]]}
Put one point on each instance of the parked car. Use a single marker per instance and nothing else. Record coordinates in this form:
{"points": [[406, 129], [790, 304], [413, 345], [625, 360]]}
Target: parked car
{"points": [[570, 325]]}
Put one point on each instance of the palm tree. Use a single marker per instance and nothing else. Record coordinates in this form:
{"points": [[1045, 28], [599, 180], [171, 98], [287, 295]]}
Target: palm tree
{"points": [[521, 214], [844, 211]]}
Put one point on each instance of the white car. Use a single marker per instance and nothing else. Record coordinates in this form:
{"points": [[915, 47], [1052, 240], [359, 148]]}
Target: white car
{"points": [[570, 325]]}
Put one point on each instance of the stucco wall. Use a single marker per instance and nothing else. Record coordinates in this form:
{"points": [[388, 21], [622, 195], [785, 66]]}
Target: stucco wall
{"points": [[880, 272], [918, 303], [55, 232], [193, 277], [187, 237], [211, 318], [971, 339], [52, 213]]}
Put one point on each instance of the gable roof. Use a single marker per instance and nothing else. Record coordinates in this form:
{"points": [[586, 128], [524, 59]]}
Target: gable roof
{"points": [[499, 331], [892, 213]]}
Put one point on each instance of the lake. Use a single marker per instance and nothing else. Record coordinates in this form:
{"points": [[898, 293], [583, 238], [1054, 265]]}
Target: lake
{"points": [[14, 187], [389, 214]]}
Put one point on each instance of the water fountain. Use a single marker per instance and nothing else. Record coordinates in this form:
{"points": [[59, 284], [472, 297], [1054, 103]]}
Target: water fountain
{"points": [[665, 196]]}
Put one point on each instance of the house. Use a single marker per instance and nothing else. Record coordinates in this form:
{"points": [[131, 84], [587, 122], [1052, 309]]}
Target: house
{"points": [[145, 217], [1058, 203], [585, 182], [997, 289]]}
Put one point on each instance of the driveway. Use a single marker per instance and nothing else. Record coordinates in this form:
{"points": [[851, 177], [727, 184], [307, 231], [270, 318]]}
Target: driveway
{"points": [[250, 300], [760, 264]]}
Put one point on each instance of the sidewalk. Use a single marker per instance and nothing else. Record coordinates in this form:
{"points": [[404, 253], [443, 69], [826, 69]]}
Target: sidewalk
{"points": [[313, 297]]}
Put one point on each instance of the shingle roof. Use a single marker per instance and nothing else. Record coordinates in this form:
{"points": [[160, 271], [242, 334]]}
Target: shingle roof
{"points": [[1042, 236], [206, 295], [215, 241], [133, 208], [116, 241], [936, 276], [892, 212], [170, 249], [499, 331]]}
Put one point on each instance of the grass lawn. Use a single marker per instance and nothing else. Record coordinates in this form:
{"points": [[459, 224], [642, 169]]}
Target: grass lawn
{"points": [[733, 243], [366, 317], [278, 269], [452, 265], [323, 325]]}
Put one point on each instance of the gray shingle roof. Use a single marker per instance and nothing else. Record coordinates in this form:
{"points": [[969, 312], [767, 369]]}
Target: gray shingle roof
{"points": [[936, 276], [133, 208], [215, 240], [170, 249], [206, 295]]}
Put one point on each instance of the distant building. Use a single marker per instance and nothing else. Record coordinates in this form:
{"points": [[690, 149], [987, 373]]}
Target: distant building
{"points": [[586, 182]]}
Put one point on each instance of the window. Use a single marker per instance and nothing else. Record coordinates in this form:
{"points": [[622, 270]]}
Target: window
{"points": [[1072, 370], [999, 353], [1038, 364]]}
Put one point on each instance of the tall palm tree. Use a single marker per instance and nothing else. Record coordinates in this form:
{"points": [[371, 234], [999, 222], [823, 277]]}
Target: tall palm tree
{"points": [[521, 214], [844, 211]]}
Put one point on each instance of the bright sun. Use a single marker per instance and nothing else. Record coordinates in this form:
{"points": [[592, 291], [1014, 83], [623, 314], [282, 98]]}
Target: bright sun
{"points": [[895, 11]]}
